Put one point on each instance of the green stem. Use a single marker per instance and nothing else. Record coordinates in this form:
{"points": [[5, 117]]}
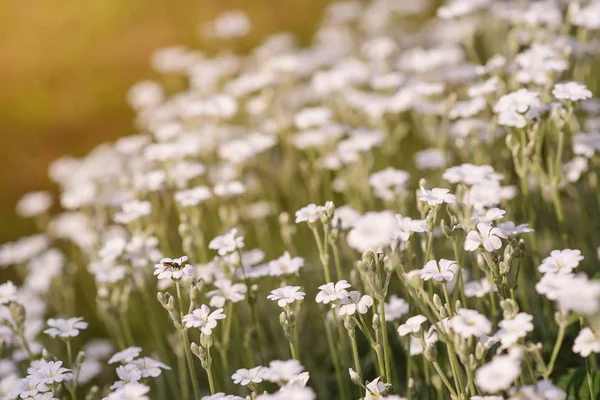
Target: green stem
{"points": [[444, 379], [386, 349], [555, 350], [355, 353], [186, 343], [324, 257], [211, 382]]}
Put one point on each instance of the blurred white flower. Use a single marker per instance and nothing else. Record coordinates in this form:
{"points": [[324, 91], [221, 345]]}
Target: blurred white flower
{"points": [[149, 367], [444, 270], [245, 376], [571, 91], [125, 356], [586, 343], [65, 328], [498, 374], [34, 203], [227, 243], [468, 323], [561, 261], [436, 196], [50, 372], [511, 330]]}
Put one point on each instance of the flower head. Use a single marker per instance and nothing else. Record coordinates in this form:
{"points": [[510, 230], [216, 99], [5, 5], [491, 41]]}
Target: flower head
{"points": [[412, 325], [331, 292], [50, 372], [586, 343], [245, 376], [286, 295], [354, 302], [487, 236], [436, 196], [561, 261], [227, 243], [468, 323], [571, 91], [445, 270], [173, 268], [65, 328], [203, 319]]}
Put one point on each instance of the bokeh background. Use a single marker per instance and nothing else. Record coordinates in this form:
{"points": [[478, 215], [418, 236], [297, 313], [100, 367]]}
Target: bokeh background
{"points": [[66, 66]]}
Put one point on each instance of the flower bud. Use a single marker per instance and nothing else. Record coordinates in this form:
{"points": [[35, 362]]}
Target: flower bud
{"points": [[479, 351], [430, 352], [437, 302], [430, 220], [376, 322], [195, 349], [458, 305], [329, 209], [92, 393], [443, 312], [510, 308], [472, 362], [46, 355], [355, 377]]}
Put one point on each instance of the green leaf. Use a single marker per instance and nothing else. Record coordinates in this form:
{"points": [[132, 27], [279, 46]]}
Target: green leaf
{"points": [[575, 384]]}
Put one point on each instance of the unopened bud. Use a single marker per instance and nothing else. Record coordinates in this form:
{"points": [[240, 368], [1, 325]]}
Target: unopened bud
{"points": [[195, 349], [355, 377], [376, 322], [437, 302], [458, 305], [80, 358], [479, 351], [430, 352]]}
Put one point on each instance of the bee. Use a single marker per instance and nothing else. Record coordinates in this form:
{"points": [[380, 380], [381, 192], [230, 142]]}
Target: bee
{"points": [[172, 264]]}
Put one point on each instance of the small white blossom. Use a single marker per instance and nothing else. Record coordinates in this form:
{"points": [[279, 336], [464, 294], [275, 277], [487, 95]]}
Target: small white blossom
{"points": [[65, 328], [125, 356], [286, 264], [203, 319], [227, 243], [586, 343], [331, 292], [226, 291], [445, 270], [376, 389], [468, 323], [286, 295], [354, 302], [571, 91], [149, 367], [487, 236], [173, 268], [50, 372], [511, 330], [245, 376], [498, 374], [436, 196], [412, 325], [561, 261], [311, 213]]}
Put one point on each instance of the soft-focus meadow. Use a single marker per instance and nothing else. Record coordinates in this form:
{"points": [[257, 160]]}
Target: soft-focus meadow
{"points": [[394, 201]]}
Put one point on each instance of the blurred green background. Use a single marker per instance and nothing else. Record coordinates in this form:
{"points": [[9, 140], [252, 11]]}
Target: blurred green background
{"points": [[66, 66]]}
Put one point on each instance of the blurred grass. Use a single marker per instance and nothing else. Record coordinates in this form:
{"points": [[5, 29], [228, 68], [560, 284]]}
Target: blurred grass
{"points": [[66, 65]]}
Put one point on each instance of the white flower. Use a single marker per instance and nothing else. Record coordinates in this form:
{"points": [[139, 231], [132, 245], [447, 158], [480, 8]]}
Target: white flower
{"points": [[430, 337], [227, 243], [8, 292], [34, 203], [50, 372], [561, 261], [192, 197], [245, 376], [488, 236], [346, 215], [579, 294], [229, 189], [331, 292], [395, 308], [435, 196], [283, 371], [406, 227], [28, 387], [130, 391], [376, 389], [222, 396], [412, 325], [586, 343], [510, 229], [230, 24], [311, 213], [173, 268], [286, 295], [286, 264], [133, 210], [542, 390], [478, 288], [65, 328], [498, 374], [373, 231], [468, 323], [203, 319], [571, 91], [226, 290], [126, 373], [312, 117], [511, 330], [551, 283], [518, 102], [354, 302], [125, 356], [445, 270], [149, 366]]}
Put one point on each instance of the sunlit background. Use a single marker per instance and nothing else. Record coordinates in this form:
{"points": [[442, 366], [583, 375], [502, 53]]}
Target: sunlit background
{"points": [[66, 66]]}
